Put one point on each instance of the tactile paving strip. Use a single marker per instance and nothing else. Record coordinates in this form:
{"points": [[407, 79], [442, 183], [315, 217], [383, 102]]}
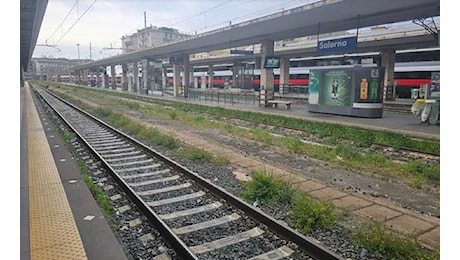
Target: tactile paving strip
{"points": [[53, 231]]}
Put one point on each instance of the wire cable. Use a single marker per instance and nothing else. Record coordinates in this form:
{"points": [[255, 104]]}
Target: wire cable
{"points": [[65, 18], [87, 9], [200, 13]]}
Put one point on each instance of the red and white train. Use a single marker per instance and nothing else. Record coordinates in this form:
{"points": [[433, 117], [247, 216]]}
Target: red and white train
{"points": [[407, 75]]}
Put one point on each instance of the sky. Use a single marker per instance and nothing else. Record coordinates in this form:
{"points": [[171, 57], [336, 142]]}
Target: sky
{"points": [[103, 22]]}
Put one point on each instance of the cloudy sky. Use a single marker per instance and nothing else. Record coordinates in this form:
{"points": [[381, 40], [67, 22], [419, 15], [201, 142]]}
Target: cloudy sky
{"points": [[103, 22]]}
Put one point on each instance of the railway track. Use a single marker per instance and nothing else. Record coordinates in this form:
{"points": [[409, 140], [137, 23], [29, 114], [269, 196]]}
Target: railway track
{"points": [[196, 218], [396, 152]]}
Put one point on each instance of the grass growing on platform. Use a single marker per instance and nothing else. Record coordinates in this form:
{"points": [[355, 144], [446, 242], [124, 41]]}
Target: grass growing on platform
{"points": [[198, 155], [195, 154], [307, 213], [266, 188], [387, 245]]}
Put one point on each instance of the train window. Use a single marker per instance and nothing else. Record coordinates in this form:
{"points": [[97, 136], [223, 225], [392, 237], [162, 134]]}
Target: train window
{"points": [[413, 75], [298, 76], [200, 69]]}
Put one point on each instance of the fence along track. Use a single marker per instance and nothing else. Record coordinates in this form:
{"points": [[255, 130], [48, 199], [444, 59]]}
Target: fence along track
{"points": [[197, 218]]}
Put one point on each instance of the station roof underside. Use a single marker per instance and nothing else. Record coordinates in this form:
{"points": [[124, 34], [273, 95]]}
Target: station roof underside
{"points": [[323, 17], [32, 12]]}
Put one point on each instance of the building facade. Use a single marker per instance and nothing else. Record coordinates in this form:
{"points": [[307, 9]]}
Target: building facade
{"points": [[151, 36], [53, 68]]}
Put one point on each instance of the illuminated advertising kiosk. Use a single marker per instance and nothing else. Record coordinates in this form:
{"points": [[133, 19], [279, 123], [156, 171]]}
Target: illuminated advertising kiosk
{"points": [[356, 91]]}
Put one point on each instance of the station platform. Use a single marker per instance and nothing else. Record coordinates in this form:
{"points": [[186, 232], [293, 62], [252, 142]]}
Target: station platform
{"points": [[406, 124], [59, 218]]}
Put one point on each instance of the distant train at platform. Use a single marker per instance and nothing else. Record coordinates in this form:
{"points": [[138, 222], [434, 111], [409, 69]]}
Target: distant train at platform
{"points": [[412, 71], [407, 75]]}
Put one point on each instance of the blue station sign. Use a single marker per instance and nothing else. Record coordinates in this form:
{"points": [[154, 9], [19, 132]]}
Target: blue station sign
{"points": [[337, 45]]}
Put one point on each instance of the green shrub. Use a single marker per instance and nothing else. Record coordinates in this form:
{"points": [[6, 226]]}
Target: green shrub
{"points": [[308, 213], [267, 188], [375, 237]]}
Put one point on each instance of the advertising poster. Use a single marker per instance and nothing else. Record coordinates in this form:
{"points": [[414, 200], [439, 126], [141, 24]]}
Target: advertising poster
{"points": [[335, 88], [313, 87], [369, 85]]}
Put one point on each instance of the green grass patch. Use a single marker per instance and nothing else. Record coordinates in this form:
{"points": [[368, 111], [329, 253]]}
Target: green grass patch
{"points": [[221, 160], [153, 135], [68, 136], [377, 238], [309, 213], [266, 187], [195, 154], [99, 195], [199, 155]]}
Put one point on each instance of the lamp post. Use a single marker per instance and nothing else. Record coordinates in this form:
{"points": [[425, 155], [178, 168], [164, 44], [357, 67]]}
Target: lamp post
{"points": [[78, 49]]}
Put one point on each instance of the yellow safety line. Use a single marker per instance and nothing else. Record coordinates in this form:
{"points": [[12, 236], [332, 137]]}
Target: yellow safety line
{"points": [[53, 231]]}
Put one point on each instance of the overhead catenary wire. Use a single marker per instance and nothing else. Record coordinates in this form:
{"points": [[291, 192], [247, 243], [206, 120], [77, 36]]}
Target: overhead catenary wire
{"points": [[65, 18], [78, 19], [267, 10], [202, 12]]}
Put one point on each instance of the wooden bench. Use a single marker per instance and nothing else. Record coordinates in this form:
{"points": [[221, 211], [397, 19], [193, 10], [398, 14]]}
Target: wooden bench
{"points": [[275, 103]]}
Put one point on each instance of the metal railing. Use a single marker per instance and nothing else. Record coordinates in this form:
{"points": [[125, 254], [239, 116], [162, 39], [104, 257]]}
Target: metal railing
{"points": [[224, 96], [293, 90]]}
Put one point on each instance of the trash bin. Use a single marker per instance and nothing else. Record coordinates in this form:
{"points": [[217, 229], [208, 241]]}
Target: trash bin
{"points": [[434, 118], [414, 93], [418, 106]]}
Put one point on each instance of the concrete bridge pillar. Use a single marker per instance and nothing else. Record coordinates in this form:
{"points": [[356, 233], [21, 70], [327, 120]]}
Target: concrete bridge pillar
{"points": [[124, 72], [136, 87], [85, 78], [98, 77], [186, 75], [114, 77], [177, 89], [164, 81], [105, 78], [91, 77], [266, 74], [284, 74], [388, 61], [211, 76], [145, 74]]}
